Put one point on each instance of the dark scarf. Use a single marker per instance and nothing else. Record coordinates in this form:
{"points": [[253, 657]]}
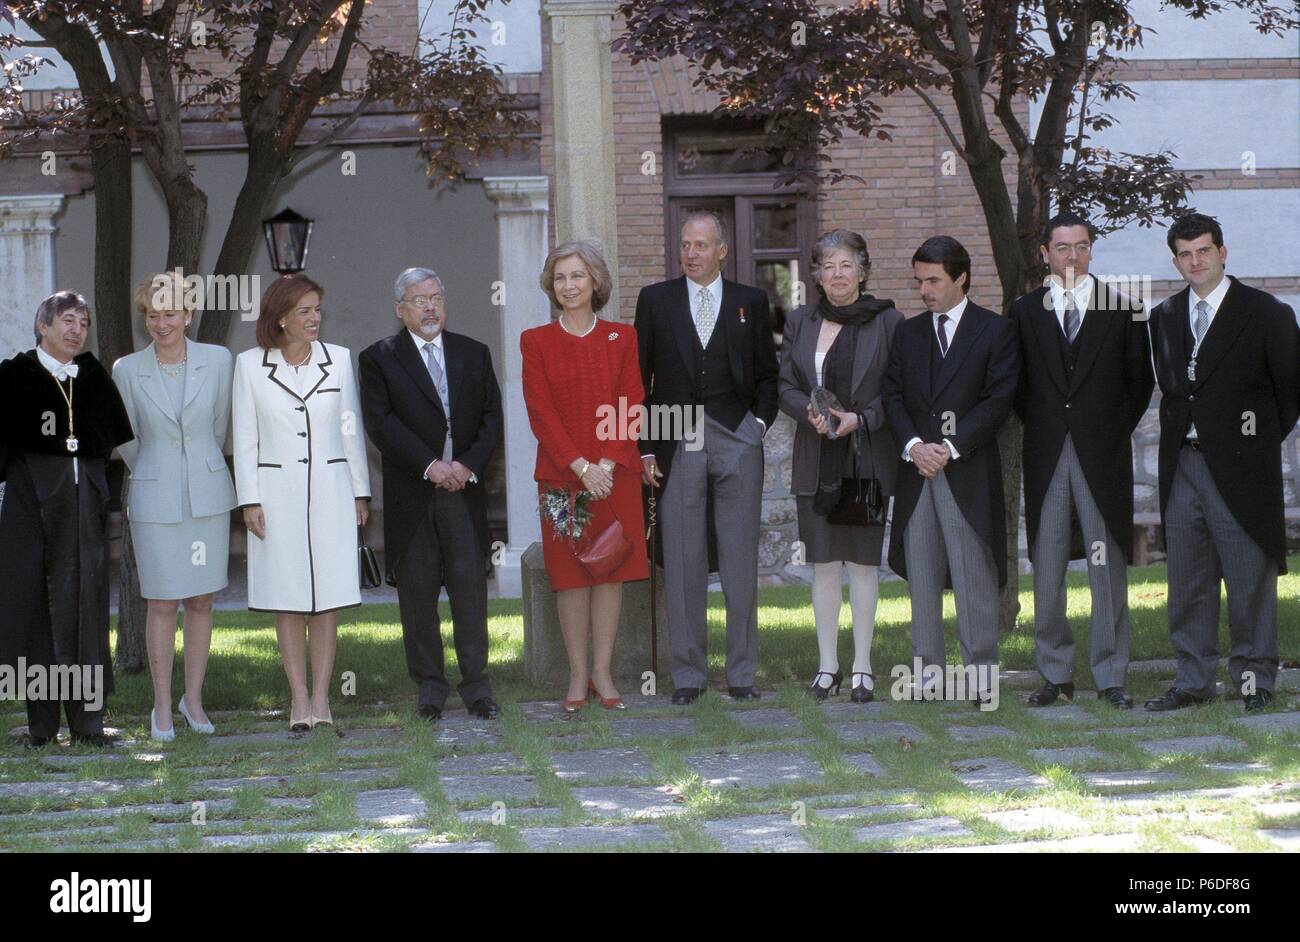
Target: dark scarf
{"points": [[837, 376]]}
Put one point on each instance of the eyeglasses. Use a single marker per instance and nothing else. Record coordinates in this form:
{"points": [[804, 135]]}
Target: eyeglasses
{"points": [[423, 301]]}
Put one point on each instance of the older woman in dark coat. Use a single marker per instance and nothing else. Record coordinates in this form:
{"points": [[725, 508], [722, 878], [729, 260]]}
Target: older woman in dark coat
{"points": [[840, 343]]}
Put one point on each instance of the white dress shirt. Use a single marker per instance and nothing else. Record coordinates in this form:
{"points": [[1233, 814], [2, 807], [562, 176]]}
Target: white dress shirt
{"points": [[441, 354], [954, 318], [1213, 299], [1082, 292], [61, 371]]}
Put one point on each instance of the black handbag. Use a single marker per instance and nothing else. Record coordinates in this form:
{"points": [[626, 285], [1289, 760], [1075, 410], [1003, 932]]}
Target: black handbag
{"points": [[371, 577], [862, 502]]}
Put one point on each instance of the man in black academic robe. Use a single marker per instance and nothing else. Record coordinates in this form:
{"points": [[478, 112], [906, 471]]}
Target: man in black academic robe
{"points": [[61, 419]]}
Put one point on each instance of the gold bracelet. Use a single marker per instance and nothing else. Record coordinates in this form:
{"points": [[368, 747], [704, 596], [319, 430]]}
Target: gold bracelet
{"points": [[585, 468]]}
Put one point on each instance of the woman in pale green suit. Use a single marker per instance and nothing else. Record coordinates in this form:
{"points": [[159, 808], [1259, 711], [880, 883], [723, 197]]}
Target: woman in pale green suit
{"points": [[177, 393]]}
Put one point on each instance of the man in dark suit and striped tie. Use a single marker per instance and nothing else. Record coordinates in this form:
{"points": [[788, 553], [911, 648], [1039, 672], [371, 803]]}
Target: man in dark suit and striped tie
{"points": [[1225, 358], [949, 386], [1085, 383]]}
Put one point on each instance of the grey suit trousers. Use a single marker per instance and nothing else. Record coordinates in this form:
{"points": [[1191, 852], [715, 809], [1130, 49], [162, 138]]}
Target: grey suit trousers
{"points": [[938, 540], [732, 464], [1205, 544], [1107, 576]]}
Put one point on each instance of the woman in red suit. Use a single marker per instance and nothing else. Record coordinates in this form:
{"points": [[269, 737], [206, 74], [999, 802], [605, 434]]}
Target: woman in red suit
{"points": [[576, 371]]}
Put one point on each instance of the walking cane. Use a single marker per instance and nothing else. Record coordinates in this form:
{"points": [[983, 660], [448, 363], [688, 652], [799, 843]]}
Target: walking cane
{"points": [[654, 618]]}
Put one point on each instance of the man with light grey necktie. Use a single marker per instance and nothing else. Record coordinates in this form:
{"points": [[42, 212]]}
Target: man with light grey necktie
{"points": [[1225, 358], [433, 409]]}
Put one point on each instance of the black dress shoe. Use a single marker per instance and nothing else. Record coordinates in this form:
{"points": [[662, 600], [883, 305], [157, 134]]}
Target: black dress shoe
{"points": [[982, 699], [862, 693], [1117, 697], [818, 692], [430, 712], [1174, 699], [1049, 693], [685, 695], [484, 708], [36, 742], [743, 693], [1259, 700]]}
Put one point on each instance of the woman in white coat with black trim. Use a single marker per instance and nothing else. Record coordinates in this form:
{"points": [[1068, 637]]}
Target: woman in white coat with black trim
{"points": [[302, 482]]}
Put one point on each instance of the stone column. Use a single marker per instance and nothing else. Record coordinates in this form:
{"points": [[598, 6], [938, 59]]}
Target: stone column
{"points": [[583, 131], [26, 265], [521, 211]]}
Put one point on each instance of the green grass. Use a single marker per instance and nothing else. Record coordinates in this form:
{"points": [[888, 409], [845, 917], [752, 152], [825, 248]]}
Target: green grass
{"points": [[245, 673]]}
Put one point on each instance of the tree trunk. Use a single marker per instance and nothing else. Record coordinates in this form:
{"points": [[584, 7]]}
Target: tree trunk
{"points": [[242, 235]]}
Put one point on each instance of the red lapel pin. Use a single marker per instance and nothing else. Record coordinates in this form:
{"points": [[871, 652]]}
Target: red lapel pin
{"points": [[742, 315]]}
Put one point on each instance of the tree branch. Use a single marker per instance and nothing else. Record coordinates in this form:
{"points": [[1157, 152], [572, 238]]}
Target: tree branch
{"points": [[333, 134], [943, 122]]}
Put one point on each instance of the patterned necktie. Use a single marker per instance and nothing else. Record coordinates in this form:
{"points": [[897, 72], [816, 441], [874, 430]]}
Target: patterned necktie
{"points": [[705, 318], [431, 360], [943, 335], [1202, 319], [1071, 317]]}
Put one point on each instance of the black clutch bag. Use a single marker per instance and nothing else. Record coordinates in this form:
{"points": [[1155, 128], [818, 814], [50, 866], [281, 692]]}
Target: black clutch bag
{"points": [[371, 577], [861, 503]]}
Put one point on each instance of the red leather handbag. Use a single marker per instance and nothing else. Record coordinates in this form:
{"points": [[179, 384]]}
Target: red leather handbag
{"points": [[602, 554]]}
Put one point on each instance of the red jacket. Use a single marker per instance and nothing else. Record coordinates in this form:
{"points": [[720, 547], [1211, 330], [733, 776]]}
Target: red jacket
{"points": [[580, 393]]}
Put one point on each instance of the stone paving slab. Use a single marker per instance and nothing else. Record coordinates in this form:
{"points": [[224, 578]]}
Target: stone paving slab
{"points": [[508, 817], [754, 769], [861, 811], [455, 847], [1191, 745], [634, 727], [466, 734], [1285, 838], [1271, 722], [760, 832], [767, 719], [978, 733], [629, 802], [391, 807], [479, 763], [68, 789], [480, 788], [253, 840], [1237, 766], [864, 762], [993, 774], [1281, 809], [1132, 778], [157, 810], [1065, 713], [1035, 819], [1068, 756], [856, 712], [917, 827], [1207, 845], [586, 765], [348, 775], [876, 729], [1100, 843], [593, 836]]}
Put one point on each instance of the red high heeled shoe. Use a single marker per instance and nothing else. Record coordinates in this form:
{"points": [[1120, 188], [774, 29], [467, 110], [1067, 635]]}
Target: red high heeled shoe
{"points": [[612, 703]]}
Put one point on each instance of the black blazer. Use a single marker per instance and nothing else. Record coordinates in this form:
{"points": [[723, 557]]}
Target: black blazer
{"points": [[667, 343], [975, 386], [404, 419], [1245, 370], [1098, 404]]}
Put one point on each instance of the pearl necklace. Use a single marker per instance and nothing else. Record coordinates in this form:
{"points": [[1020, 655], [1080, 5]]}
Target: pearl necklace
{"points": [[173, 369], [575, 334]]}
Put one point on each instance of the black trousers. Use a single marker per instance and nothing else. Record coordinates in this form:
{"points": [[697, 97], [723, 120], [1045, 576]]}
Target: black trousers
{"points": [[444, 551]]}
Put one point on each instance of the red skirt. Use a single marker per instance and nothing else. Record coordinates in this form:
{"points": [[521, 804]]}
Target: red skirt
{"points": [[623, 504]]}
